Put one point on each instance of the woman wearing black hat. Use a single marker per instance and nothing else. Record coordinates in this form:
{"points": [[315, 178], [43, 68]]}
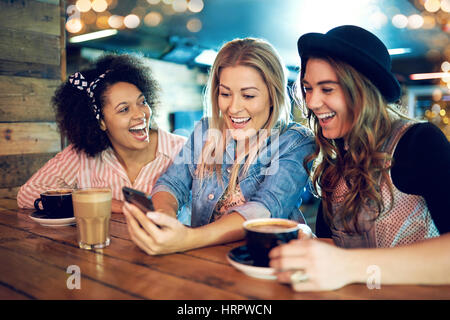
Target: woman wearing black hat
{"points": [[371, 175]]}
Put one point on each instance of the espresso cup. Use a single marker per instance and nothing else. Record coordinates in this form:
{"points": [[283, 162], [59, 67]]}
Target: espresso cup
{"points": [[92, 208], [56, 204], [263, 235]]}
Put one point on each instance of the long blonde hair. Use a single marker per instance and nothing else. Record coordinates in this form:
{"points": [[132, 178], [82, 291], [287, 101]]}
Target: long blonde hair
{"points": [[364, 162], [261, 56]]}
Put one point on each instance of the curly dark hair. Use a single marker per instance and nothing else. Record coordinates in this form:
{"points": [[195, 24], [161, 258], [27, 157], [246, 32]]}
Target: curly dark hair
{"points": [[74, 115]]}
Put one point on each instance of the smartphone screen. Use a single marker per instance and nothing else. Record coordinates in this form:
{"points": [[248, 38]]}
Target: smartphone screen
{"points": [[138, 198]]}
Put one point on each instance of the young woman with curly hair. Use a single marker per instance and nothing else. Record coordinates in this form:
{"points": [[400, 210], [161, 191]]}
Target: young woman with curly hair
{"points": [[106, 114], [372, 172]]}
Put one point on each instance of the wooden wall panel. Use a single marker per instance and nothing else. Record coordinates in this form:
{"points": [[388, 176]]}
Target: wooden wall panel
{"points": [[26, 99], [28, 15], [28, 46], [28, 69], [32, 65], [32, 137]]}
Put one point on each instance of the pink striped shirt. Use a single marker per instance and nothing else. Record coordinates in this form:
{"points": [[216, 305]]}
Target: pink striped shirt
{"points": [[72, 169]]}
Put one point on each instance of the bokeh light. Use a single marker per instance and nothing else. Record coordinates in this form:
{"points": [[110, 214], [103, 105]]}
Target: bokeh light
{"points": [[432, 5], [179, 5], [153, 1], [115, 21], [99, 5], [83, 5], [437, 94], [445, 5], [131, 21], [74, 25], [195, 6], [194, 25], [415, 21], [400, 21], [152, 19], [445, 66]]}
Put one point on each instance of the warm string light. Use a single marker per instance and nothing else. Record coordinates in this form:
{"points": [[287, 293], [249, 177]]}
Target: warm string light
{"points": [[91, 15]]}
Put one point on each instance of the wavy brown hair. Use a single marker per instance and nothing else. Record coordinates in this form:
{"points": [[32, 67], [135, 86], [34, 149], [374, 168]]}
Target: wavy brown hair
{"points": [[359, 160]]}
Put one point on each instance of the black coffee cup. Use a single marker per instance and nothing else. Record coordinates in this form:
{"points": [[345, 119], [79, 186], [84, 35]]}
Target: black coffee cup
{"points": [[263, 235], [56, 203]]}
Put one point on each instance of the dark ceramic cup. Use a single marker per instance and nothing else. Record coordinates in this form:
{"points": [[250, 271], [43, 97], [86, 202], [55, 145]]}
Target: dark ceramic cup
{"points": [[56, 204], [263, 235]]}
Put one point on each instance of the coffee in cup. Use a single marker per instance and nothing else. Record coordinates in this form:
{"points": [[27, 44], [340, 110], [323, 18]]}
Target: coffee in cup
{"points": [[92, 208], [263, 235], [56, 204]]}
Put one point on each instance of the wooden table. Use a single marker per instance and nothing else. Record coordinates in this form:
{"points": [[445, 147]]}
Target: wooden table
{"points": [[34, 261]]}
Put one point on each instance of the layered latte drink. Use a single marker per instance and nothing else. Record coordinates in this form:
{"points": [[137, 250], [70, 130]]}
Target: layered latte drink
{"points": [[92, 210]]}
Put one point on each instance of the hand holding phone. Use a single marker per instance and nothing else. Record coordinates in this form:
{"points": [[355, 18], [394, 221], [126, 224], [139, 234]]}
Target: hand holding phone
{"points": [[139, 199]]}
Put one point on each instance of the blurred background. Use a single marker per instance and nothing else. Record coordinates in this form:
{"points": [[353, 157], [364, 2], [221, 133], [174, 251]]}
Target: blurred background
{"points": [[42, 42], [180, 39]]}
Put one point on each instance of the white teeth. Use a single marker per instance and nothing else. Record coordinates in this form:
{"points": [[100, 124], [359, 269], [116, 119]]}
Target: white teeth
{"points": [[239, 120], [325, 115], [139, 127]]}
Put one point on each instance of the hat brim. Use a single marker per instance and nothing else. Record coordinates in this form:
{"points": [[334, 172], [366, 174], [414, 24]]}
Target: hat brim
{"points": [[312, 44]]}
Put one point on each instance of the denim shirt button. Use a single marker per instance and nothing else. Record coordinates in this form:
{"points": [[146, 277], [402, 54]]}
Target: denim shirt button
{"points": [[211, 196], [228, 170]]}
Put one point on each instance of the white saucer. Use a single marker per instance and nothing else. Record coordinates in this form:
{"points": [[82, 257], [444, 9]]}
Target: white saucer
{"points": [[46, 222], [240, 259]]}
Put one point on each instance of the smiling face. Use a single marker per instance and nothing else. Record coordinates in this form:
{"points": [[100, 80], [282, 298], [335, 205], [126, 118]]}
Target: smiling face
{"points": [[126, 117], [243, 100], [325, 98]]}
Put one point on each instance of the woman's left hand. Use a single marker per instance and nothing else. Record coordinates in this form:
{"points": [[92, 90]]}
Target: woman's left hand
{"points": [[310, 265], [155, 232]]}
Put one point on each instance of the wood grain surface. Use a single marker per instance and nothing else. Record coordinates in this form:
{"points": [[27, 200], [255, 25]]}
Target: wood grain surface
{"points": [[35, 260]]}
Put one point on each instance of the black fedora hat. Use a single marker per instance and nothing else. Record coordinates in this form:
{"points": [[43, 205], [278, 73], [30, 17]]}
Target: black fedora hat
{"points": [[359, 48]]}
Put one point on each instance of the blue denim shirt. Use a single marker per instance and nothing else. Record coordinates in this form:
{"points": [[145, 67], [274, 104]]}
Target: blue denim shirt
{"points": [[271, 187]]}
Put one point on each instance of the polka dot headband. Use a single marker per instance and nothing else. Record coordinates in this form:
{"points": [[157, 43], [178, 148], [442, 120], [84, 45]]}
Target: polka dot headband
{"points": [[79, 82]]}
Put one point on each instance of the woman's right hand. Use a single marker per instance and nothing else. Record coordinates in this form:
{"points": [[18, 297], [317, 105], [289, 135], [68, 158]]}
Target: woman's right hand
{"points": [[317, 265]]}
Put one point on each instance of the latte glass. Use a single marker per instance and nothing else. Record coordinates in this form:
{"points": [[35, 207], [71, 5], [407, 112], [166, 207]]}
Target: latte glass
{"points": [[92, 210]]}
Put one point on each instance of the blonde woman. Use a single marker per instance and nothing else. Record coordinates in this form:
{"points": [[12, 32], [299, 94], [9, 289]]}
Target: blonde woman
{"points": [[379, 197], [244, 162]]}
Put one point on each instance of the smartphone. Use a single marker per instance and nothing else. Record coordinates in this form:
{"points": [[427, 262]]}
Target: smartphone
{"points": [[139, 199]]}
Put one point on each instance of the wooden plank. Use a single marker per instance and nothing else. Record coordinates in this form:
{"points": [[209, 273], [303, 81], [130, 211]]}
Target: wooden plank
{"points": [[26, 99], [202, 272], [15, 170], [155, 274], [27, 46], [27, 15], [27, 69], [44, 281], [7, 292], [26, 138], [132, 278]]}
